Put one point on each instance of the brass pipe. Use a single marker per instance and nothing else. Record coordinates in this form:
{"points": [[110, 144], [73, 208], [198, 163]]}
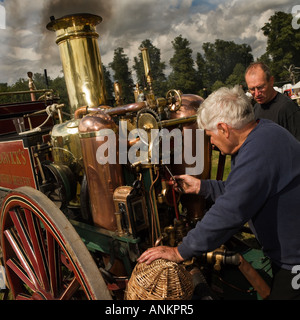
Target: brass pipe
{"points": [[175, 122], [118, 93], [24, 92], [31, 85], [146, 60]]}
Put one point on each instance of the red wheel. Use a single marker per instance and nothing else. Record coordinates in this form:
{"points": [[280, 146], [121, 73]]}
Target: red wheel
{"points": [[43, 255]]}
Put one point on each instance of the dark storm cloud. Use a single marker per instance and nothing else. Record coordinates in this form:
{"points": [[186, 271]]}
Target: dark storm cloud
{"points": [[27, 44]]}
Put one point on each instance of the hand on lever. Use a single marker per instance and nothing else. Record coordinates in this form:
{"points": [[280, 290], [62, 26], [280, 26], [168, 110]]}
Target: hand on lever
{"points": [[187, 183]]}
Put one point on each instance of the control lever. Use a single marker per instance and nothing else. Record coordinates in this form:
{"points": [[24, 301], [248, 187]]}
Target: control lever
{"points": [[174, 179]]}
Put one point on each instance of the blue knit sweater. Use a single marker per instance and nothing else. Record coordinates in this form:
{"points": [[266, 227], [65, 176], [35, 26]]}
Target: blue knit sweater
{"points": [[263, 188]]}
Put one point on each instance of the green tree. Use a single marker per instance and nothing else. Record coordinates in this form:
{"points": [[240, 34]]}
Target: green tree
{"points": [[183, 75], [283, 44], [237, 76], [122, 74], [201, 75], [4, 88], [40, 81], [157, 68], [109, 86], [265, 58], [20, 85], [58, 85], [221, 58], [217, 85]]}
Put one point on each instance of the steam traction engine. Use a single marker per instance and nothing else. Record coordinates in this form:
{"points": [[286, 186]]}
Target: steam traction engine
{"points": [[88, 195]]}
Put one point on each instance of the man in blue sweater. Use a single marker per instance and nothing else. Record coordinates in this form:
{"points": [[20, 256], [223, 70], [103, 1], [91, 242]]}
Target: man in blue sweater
{"points": [[263, 188]]}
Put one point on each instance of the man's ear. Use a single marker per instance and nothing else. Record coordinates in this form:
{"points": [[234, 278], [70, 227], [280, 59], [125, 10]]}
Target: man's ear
{"points": [[223, 129]]}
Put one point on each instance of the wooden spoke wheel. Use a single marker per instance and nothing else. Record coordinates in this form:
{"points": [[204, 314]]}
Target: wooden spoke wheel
{"points": [[44, 257]]}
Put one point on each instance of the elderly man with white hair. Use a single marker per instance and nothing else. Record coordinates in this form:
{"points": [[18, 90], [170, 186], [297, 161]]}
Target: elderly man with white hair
{"points": [[263, 188]]}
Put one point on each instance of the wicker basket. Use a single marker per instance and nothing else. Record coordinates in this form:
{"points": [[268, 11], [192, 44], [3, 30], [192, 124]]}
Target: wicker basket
{"points": [[161, 280]]}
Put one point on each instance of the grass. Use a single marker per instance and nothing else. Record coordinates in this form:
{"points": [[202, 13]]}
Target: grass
{"points": [[214, 165]]}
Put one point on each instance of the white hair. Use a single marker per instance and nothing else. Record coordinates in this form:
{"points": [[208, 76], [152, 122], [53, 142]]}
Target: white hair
{"points": [[227, 105]]}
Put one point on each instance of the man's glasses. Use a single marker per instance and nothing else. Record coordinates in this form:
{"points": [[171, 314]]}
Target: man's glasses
{"points": [[259, 89]]}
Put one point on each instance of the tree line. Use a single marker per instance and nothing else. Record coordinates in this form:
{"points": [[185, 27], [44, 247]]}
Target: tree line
{"points": [[222, 63]]}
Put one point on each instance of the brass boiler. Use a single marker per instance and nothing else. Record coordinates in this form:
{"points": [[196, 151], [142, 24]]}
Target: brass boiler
{"points": [[102, 179], [194, 204], [80, 56]]}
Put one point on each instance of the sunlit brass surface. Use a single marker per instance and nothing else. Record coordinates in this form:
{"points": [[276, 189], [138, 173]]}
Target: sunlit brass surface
{"points": [[66, 144], [150, 96], [146, 60], [102, 179], [80, 55], [120, 196], [23, 92], [178, 121], [118, 93], [174, 100]]}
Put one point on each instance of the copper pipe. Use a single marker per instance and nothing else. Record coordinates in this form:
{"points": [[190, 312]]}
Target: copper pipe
{"points": [[128, 108], [134, 107], [82, 111], [254, 278]]}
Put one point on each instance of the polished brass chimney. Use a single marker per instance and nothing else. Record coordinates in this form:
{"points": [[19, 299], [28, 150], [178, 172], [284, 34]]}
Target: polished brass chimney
{"points": [[80, 55]]}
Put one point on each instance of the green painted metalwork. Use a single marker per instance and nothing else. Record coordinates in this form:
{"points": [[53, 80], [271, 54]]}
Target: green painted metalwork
{"points": [[109, 242]]}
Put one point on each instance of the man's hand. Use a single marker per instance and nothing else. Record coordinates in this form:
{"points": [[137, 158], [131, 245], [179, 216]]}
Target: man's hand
{"points": [[189, 184], [161, 252]]}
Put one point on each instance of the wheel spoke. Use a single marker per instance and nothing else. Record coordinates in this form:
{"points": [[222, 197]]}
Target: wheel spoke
{"points": [[38, 247], [54, 264], [20, 272], [24, 237], [70, 290], [23, 296], [21, 254]]}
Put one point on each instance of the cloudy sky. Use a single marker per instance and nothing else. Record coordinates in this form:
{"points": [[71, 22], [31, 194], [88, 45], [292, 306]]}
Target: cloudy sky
{"points": [[26, 44]]}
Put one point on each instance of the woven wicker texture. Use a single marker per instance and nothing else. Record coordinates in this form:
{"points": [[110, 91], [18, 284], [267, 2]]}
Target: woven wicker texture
{"points": [[161, 280]]}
